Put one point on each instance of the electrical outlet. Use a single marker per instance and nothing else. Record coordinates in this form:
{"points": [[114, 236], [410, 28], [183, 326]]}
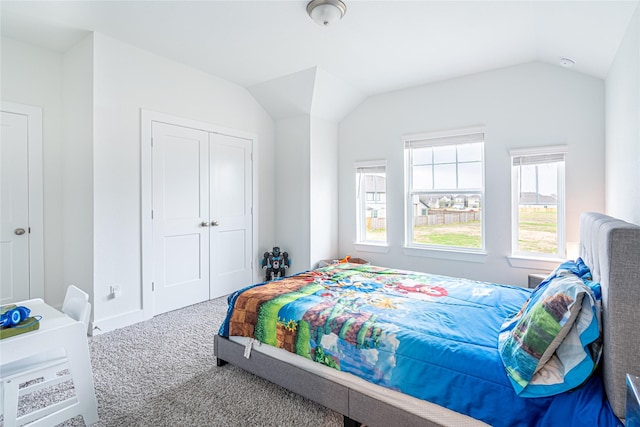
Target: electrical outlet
{"points": [[115, 291]]}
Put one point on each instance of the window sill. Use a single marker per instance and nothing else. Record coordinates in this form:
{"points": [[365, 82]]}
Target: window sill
{"points": [[449, 254], [371, 247], [536, 263]]}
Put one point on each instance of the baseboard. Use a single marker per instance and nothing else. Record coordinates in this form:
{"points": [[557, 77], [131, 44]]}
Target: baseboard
{"points": [[107, 324]]}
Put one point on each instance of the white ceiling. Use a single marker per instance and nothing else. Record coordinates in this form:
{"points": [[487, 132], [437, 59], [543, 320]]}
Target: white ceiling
{"points": [[379, 45]]}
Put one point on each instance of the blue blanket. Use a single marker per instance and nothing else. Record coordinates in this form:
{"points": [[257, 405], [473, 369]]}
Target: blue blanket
{"points": [[432, 337]]}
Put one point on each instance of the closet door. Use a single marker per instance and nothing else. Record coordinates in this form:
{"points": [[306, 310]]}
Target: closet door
{"points": [[180, 159], [230, 213]]}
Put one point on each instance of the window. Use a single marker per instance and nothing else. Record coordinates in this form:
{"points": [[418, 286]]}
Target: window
{"points": [[371, 209], [445, 190], [537, 181]]}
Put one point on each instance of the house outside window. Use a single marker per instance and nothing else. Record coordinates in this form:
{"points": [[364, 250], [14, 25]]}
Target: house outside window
{"points": [[538, 203], [371, 202], [444, 175]]}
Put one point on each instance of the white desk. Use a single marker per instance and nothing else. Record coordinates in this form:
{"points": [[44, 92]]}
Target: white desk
{"points": [[632, 414], [57, 330]]}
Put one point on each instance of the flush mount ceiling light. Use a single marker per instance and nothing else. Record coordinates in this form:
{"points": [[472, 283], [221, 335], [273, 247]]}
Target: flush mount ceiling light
{"points": [[567, 62], [326, 12]]}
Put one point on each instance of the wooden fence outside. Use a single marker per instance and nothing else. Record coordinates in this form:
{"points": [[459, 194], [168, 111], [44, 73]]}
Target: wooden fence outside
{"points": [[447, 217], [434, 218]]}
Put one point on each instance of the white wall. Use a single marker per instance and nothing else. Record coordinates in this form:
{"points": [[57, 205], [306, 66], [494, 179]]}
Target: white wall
{"points": [[622, 159], [292, 191], [33, 76], [77, 166], [307, 188], [127, 79], [93, 95], [324, 190], [527, 105]]}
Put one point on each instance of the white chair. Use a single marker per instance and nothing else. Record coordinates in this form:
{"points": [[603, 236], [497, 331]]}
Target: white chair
{"points": [[76, 305], [51, 368]]}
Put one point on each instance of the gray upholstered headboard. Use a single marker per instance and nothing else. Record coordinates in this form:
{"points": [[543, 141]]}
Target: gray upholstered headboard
{"points": [[611, 248]]}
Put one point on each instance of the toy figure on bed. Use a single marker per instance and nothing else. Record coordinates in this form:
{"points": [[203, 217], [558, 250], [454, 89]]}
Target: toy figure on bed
{"points": [[275, 262]]}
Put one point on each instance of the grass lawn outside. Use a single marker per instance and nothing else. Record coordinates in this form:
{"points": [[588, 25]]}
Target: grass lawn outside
{"points": [[376, 235], [537, 233], [538, 230], [462, 235]]}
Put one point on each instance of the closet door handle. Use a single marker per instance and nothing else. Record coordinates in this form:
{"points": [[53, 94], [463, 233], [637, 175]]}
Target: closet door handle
{"points": [[204, 224], [215, 223]]}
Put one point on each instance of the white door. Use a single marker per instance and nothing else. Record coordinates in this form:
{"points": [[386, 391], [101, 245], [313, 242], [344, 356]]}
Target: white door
{"points": [[180, 159], [230, 213], [14, 211], [202, 215]]}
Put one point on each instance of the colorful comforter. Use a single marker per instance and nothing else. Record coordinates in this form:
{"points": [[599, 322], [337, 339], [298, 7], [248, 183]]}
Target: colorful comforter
{"points": [[432, 337]]}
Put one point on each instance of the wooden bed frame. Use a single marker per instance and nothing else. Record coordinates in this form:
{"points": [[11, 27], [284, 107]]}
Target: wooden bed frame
{"points": [[610, 247]]}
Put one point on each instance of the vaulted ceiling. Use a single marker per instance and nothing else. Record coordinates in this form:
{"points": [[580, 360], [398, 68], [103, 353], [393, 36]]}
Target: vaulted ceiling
{"points": [[379, 45]]}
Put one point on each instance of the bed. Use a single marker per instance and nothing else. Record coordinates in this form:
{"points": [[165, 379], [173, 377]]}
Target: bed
{"points": [[412, 394]]}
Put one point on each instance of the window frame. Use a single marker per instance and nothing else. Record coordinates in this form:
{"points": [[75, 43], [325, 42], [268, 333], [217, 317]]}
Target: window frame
{"points": [[558, 151], [361, 202], [452, 137]]}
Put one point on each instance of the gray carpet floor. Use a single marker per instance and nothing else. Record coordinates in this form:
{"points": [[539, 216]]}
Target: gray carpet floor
{"points": [[162, 372]]}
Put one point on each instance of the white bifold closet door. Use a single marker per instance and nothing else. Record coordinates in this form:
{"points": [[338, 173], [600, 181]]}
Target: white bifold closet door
{"points": [[231, 213], [202, 215]]}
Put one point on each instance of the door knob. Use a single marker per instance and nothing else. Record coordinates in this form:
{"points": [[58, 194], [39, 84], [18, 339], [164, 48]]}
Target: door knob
{"points": [[215, 223], [204, 224], [19, 231]]}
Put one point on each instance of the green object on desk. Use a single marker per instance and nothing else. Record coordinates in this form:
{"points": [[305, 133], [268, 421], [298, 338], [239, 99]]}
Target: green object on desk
{"points": [[27, 325]]}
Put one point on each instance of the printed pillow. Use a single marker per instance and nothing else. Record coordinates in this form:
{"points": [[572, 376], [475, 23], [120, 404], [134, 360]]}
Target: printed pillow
{"points": [[552, 344]]}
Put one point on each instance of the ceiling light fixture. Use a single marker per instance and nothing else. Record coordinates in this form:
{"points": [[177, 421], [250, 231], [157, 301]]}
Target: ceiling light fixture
{"points": [[326, 12], [567, 62]]}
